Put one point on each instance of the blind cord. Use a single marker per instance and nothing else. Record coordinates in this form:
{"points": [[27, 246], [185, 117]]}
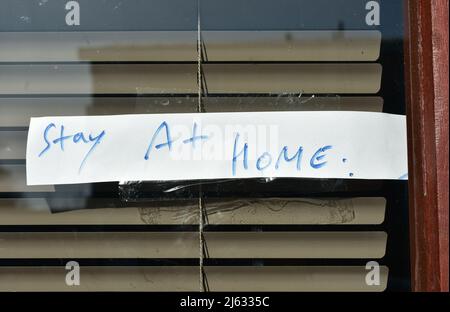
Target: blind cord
{"points": [[200, 109]]}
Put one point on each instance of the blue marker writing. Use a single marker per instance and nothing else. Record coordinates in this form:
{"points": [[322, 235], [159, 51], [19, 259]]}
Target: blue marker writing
{"points": [[284, 153], [235, 156], [51, 125], [263, 161], [195, 137], [168, 142], [97, 141], [76, 138], [318, 156]]}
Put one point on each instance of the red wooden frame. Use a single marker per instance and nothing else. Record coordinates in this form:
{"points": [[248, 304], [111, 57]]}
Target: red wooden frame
{"points": [[426, 59]]}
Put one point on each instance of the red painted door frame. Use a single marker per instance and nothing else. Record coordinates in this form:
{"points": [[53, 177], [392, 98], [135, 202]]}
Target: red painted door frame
{"points": [[426, 60]]}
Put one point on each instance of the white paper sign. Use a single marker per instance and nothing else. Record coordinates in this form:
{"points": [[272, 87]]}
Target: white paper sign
{"points": [[81, 149]]}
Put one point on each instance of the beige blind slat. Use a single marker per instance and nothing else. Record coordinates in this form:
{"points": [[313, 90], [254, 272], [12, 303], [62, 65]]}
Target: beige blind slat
{"points": [[104, 46], [98, 78], [368, 210], [181, 78], [290, 278], [185, 245], [292, 45], [185, 278], [296, 78], [16, 112], [181, 46], [296, 244]]}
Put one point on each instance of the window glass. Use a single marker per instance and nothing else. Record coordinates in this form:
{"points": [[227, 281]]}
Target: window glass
{"points": [[95, 57]]}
